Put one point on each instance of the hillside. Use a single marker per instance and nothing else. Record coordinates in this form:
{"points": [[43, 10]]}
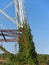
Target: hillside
{"points": [[43, 59], [7, 58]]}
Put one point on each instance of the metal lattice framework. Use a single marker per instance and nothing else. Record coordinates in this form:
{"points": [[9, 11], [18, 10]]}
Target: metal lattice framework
{"points": [[8, 34]]}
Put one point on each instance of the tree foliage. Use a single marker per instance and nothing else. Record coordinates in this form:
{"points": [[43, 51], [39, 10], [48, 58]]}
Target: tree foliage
{"points": [[27, 53]]}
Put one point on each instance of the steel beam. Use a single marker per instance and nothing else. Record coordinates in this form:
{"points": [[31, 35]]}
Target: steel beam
{"points": [[13, 35], [9, 35], [9, 30], [9, 40]]}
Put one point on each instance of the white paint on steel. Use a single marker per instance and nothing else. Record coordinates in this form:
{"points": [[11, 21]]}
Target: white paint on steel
{"points": [[8, 17], [21, 12], [7, 6]]}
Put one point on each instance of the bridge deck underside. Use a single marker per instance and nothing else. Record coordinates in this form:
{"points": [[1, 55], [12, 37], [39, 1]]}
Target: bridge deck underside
{"points": [[9, 35]]}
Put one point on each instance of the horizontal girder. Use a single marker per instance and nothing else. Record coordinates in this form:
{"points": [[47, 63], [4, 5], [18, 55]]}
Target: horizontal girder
{"points": [[9, 30], [10, 35], [9, 40]]}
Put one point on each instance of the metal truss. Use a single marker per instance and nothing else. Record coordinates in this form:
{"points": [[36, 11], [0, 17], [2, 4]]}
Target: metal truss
{"points": [[10, 35], [18, 12], [13, 35]]}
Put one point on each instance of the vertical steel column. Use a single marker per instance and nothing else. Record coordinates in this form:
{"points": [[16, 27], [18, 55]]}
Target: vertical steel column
{"points": [[16, 3]]}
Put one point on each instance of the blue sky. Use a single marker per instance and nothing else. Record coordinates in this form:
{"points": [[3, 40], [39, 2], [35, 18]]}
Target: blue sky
{"points": [[37, 12], [38, 17]]}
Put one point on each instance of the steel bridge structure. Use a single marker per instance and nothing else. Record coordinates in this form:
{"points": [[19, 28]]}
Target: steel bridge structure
{"points": [[12, 35]]}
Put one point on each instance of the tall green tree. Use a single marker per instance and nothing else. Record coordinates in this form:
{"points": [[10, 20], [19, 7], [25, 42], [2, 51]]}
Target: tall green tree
{"points": [[27, 54]]}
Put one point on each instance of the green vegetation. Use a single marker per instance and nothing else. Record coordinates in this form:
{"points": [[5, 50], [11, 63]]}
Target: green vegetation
{"points": [[43, 59], [11, 59], [27, 54]]}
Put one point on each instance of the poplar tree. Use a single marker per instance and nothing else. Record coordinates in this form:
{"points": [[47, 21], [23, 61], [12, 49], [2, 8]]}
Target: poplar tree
{"points": [[27, 54]]}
